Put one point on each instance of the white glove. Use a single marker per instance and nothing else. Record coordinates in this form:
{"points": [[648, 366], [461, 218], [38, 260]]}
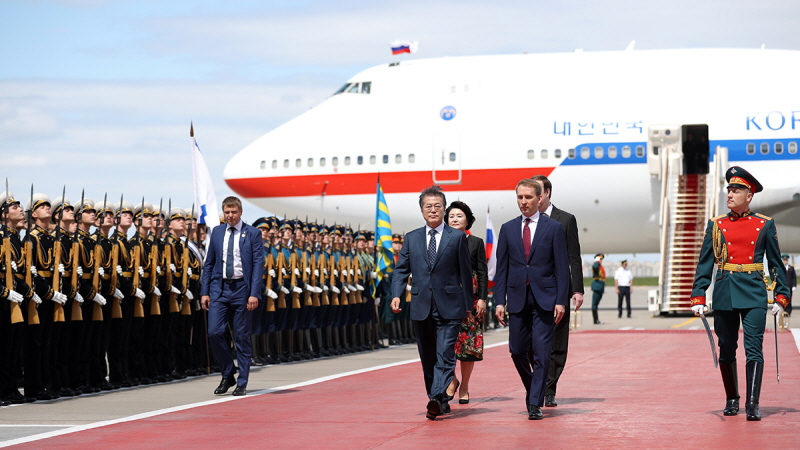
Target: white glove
{"points": [[139, 294], [271, 272], [99, 299], [377, 301], [283, 271], [317, 289], [156, 291], [173, 268], [61, 269], [189, 295], [119, 269], [374, 275], [296, 289], [325, 287], [335, 272], [346, 291], [297, 271], [284, 290], [699, 309], [174, 290], [100, 271], [351, 287], [118, 294], [15, 297], [189, 271], [14, 266], [359, 287], [271, 294], [308, 270], [316, 272], [325, 272], [79, 298], [59, 298], [408, 287], [777, 309], [351, 272], [141, 271], [79, 270], [158, 270], [359, 272], [34, 272], [335, 289], [36, 299], [310, 288]]}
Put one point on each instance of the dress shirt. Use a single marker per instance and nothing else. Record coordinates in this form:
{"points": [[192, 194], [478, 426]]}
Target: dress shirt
{"points": [[534, 221], [438, 235], [623, 276], [549, 210], [237, 255]]}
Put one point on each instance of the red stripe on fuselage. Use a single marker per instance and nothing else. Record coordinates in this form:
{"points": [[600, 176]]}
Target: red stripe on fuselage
{"points": [[392, 182]]}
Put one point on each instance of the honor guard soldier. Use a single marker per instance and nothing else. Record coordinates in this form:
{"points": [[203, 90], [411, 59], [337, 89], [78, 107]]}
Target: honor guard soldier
{"points": [[258, 338], [164, 358], [103, 247], [15, 299], [147, 313], [737, 243], [180, 316], [198, 332], [324, 257]]}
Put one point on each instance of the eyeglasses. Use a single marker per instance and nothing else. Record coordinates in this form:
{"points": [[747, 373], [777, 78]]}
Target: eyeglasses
{"points": [[436, 207]]}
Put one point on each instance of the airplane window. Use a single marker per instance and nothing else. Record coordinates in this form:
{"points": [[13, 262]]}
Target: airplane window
{"points": [[366, 87], [298, 162], [751, 149], [764, 148], [531, 154], [322, 162], [285, 163], [372, 159], [544, 154], [571, 153], [612, 151], [353, 89], [346, 160], [557, 153], [452, 156], [584, 152], [263, 164], [342, 89], [778, 148], [411, 157], [360, 160], [598, 152], [335, 161], [274, 163], [626, 151], [310, 162], [386, 159], [639, 151], [398, 158], [792, 148]]}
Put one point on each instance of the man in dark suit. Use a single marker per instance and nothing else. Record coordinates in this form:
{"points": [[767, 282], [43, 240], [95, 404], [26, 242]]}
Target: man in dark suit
{"points": [[558, 358], [231, 283], [791, 279], [532, 278], [437, 258]]}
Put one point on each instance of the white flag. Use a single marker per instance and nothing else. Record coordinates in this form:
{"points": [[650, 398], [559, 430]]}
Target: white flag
{"points": [[204, 197], [491, 250]]}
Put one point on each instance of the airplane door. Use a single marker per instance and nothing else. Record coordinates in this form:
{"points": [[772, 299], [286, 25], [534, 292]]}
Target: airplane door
{"points": [[446, 158]]}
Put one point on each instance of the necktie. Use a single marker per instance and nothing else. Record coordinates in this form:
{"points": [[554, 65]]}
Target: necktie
{"points": [[229, 257], [432, 247], [526, 238]]}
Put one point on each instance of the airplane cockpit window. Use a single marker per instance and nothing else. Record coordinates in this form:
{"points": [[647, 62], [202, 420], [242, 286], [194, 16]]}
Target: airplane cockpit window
{"points": [[386, 159], [274, 163], [557, 153], [310, 162], [584, 152], [360, 160], [366, 87], [322, 162], [571, 153], [598, 152], [531, 154], [372, 159], [452, 156], [778, 148], [544, 154], [764, 148], [612, 151], [626, 151], [353, 89], [342, 89], [792, 148], [751, 149], [398, 158], [639, 151], [411, 158], [285, 163], [263, 164]]}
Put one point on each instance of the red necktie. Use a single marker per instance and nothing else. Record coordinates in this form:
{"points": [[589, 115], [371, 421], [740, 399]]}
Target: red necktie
{"points": [[526, 238]]}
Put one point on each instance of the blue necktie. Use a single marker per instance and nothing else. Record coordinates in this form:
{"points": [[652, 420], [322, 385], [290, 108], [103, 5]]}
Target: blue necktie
{"points": [[229, 257], [432, 247]]}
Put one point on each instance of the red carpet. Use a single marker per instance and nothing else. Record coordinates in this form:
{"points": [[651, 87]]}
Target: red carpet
{"points": [[623, 389]]}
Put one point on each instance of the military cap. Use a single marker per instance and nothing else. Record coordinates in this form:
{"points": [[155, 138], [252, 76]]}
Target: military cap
{"points": [[38, 200], [87, 205], [7, 200], [784, 256], [60, 203], [126, 206], [287, 224], [177, 213], [348, 231], [143, 209], [337, 229], [623, 261], [304, 226], [738, 177], [599, 255], [192, 214], [360, 235], [261, 222], [397, 238], [313, 227], [109, 208], [322, 229]]}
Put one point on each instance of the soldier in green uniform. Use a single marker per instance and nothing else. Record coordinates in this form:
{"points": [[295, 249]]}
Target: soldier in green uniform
{"points": [[598, 285], [737, 243]]}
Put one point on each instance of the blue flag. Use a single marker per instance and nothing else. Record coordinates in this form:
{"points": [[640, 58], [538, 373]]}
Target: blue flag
{"points": [[383, 237]]}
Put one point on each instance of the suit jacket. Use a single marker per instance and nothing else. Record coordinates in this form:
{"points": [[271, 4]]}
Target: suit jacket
{"points": [[477, 258], [573, 248], [448, 282], [546, 269], [252, 262]]}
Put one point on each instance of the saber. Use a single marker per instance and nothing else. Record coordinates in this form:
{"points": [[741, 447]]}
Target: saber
{"points": [[710, 340], [777, 367]]}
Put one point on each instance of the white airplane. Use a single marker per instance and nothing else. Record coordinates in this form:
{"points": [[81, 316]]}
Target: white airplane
{"points": [[605, 127]]}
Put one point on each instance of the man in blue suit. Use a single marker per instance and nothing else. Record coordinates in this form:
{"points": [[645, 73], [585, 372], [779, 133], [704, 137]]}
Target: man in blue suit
{"points": [[232, 283], [437, 258], [532, 279]]}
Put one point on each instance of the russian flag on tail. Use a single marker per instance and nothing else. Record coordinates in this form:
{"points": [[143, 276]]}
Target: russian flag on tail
{"points": [[491, 252], [204, 197], [399, 46]]}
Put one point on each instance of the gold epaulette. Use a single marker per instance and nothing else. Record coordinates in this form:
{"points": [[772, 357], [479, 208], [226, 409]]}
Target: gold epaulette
{"points": [[36, 232], [762, 216]]}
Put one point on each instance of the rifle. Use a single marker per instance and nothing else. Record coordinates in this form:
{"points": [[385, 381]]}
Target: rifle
{"points": [[16, 311], [173, 300], [344, 274], [279, 273], [186, 308], [269, 264], [58, 310], [322, 265], [293, 281], [155, 307], [97, 310], [116, 305], [315, 301], [33, 313], [76, 252], [304, 269], [332, 266]]}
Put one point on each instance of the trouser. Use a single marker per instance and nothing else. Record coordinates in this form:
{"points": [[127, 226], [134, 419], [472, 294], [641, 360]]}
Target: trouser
{"points": [[624, 293], [436, 339], [726, 326], [558, 354], [232, 301], [596, 297], [531, 327]]}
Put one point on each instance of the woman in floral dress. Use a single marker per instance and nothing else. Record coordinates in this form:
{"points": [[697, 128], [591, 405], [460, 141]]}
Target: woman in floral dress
{"points": [[469, 345]]}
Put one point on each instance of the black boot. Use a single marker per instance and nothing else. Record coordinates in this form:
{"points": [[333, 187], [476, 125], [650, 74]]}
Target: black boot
{"points": [[755, 370], [730, 380], [596, 318]]}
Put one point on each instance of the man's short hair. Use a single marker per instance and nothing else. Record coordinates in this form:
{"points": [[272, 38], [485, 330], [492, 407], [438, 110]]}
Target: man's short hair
{"points": [[232, 201], [433, 191], [531, 183], [548, 186]]}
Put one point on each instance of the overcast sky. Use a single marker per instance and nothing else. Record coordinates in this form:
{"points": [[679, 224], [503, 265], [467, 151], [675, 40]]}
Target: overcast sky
{"points": [[99, 94]]}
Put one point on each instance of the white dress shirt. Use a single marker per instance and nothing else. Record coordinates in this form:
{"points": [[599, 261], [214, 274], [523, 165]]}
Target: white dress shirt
{"points": [[438, 235], [532, 225], [237, 255]]}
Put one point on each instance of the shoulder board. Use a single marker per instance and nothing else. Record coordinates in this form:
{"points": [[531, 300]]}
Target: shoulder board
{"points": [[36, 232], [719, 217], [762, 216]]}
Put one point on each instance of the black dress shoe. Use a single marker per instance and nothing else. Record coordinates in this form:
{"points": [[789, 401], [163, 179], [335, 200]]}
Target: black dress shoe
{"points": [[16, 398], [5, 403], [550, 400], [239, 391], [224, 385], [434, 408], [731, 407], [534, 413], [445, 407]]}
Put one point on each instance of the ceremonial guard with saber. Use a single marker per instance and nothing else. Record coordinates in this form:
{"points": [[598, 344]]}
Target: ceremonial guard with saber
{"points": [[737, 243]]}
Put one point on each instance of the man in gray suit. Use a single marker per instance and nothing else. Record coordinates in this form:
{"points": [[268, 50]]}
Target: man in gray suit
{"points": [[437, 258]]}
